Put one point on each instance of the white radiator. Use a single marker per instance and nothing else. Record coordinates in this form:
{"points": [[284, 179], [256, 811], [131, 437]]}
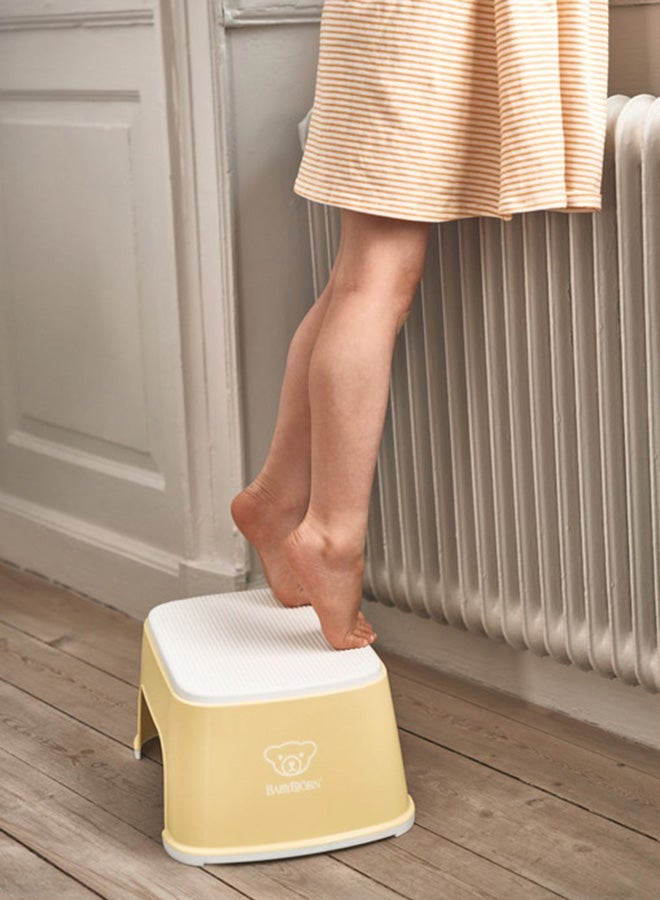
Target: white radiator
{"points": [[517, 489]]}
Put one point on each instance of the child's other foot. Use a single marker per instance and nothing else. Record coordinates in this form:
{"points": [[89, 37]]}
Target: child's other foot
{"points": [[265, 523], [331, 579]]}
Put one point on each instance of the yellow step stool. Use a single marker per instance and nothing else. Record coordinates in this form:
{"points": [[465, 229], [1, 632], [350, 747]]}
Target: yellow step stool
{"points": [[274, 744]]}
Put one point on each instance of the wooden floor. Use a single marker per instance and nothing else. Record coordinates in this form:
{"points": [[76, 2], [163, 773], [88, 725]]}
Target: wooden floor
{"points": [[511, 801]]}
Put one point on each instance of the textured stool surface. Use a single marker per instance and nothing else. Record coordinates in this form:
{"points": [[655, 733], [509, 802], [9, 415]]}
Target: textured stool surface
{"points": [[246, 646]]}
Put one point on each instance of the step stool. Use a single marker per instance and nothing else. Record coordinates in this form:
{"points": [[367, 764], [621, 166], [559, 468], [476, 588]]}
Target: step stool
{"points": [[274, 744]]}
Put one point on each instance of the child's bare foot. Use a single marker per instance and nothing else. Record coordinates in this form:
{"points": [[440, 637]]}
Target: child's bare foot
{"points": [[332, 580], [265, 523]]}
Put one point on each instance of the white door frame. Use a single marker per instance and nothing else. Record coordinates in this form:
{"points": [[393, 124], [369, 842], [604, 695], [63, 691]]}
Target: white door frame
{"points": [[197, 91]]}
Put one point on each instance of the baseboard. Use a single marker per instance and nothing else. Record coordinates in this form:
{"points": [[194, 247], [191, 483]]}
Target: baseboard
{"points": [[116, 569], [629, 711]]}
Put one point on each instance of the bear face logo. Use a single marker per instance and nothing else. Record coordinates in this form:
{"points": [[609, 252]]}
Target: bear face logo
{"points": [[291, 758]]}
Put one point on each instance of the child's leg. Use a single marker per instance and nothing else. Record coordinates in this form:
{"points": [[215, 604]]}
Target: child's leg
{"points": [[349, 375], [271, 506]]}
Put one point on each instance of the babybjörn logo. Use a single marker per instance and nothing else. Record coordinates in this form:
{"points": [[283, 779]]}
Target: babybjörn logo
{"points": [[291, 758]]}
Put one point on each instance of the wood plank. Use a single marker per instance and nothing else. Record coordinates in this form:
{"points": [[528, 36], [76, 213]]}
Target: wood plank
{"points": [[27, 661], [24, 875], [424, 864], [67, 626], [95, 698], [84, 691], [596, 782], [95, 847], [308, 877], [79, 625], [497, 817], [567, 849], [85, 761], [129, 792], [589, 737]]}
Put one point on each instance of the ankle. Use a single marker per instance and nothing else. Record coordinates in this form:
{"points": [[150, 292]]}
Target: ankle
{"points": [[335, 540]]}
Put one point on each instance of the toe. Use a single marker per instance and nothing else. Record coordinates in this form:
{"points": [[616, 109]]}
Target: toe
{"points": [[361, 636], [355, 642], [351, 640], [363, 632]]}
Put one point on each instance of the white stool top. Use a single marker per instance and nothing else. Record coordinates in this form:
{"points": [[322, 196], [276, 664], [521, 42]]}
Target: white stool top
{"points": [[245, 646]]}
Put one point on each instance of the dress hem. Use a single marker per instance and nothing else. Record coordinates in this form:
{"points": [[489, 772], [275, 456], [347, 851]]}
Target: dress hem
{"points": [[583, 203]]}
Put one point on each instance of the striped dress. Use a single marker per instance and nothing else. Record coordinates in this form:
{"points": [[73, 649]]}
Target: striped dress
{"points": [[442, 109]]}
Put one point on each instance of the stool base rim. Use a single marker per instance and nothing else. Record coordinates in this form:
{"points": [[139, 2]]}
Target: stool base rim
{"points": [[194, 856]]}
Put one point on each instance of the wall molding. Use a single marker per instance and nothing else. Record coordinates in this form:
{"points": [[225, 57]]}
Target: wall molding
{"points": [[129, 574], [106, 18], [145, 475], [235, 14], [69, 95], [252, 13], [249, 13]]}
